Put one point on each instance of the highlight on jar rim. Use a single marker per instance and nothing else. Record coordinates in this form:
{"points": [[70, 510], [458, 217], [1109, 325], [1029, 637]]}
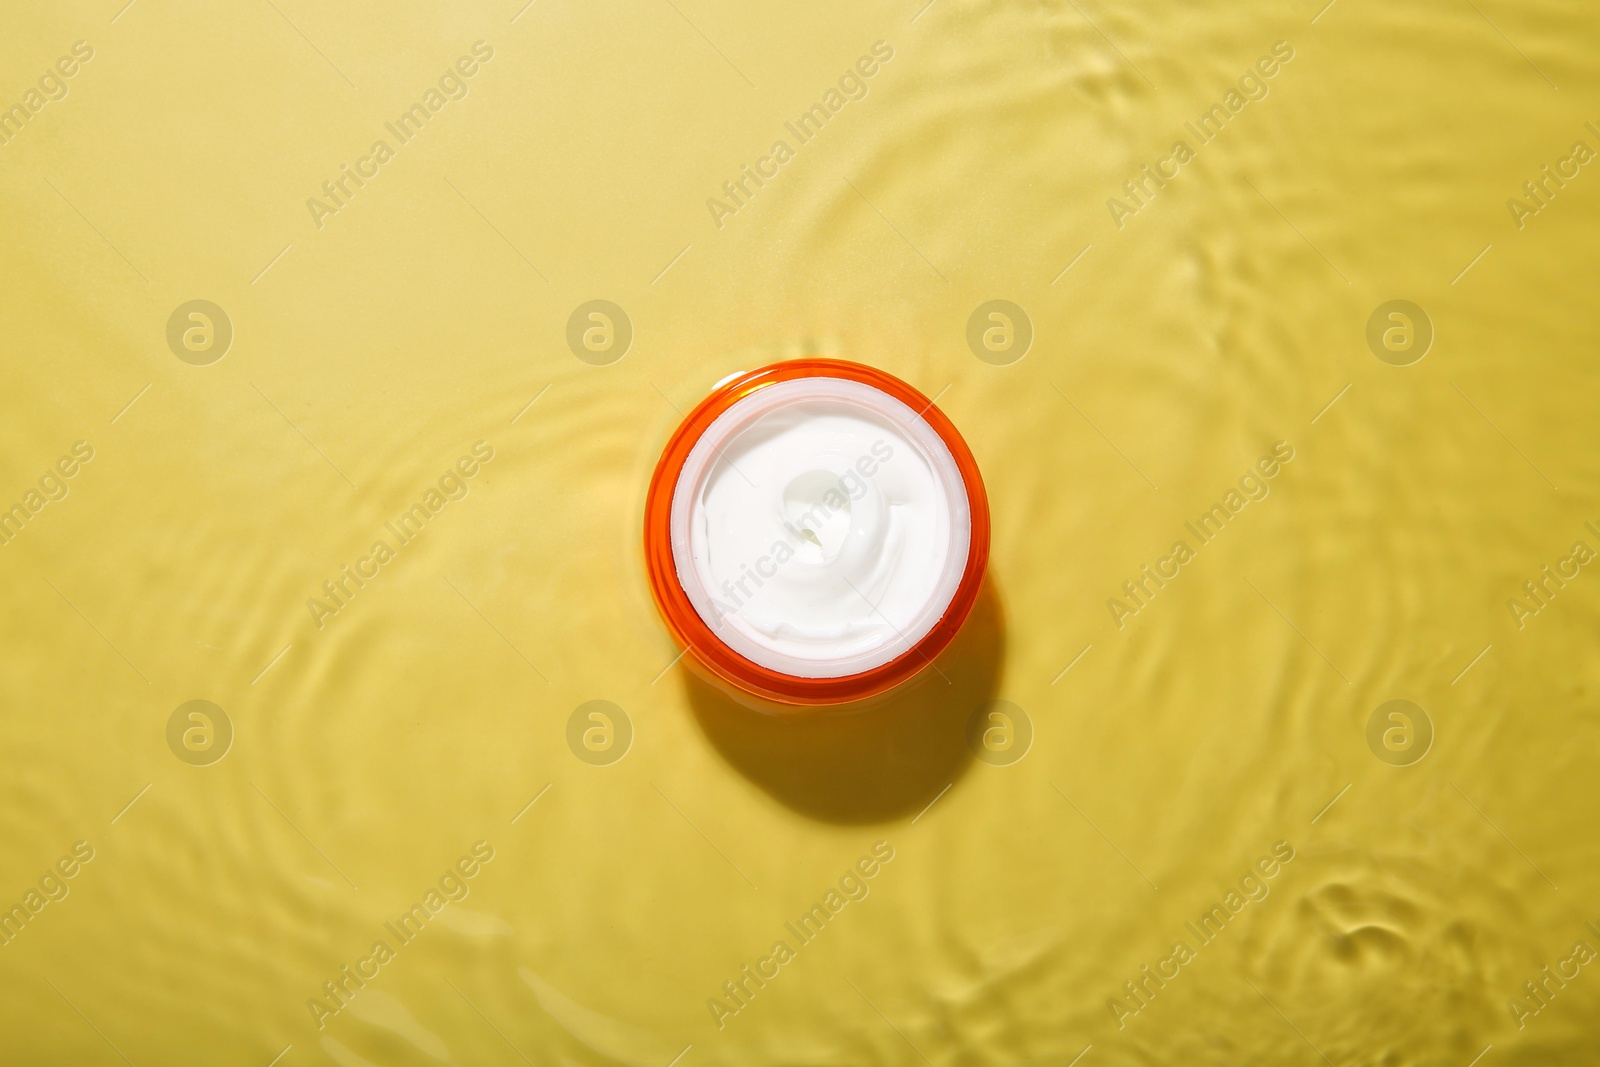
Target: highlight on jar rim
{"points": [[816, 532]]}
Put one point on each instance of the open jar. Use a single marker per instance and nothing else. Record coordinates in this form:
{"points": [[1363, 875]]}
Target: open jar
{"points": [[816, 532]]}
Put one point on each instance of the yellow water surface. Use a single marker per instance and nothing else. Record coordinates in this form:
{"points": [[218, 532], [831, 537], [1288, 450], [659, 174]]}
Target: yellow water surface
{"points": [[322, 476]]}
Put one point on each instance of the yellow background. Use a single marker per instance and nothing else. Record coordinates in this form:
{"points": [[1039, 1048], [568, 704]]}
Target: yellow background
{"points": [[1224, 316]]}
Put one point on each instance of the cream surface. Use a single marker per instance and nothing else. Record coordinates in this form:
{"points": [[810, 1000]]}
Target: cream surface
{"points": [[820, 527]]}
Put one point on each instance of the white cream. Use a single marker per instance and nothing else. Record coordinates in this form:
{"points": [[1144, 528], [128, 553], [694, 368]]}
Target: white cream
{"points": [[820, 527]]}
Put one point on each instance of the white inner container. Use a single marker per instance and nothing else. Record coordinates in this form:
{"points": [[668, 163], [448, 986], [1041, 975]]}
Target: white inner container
{"points": [[820, 527]]}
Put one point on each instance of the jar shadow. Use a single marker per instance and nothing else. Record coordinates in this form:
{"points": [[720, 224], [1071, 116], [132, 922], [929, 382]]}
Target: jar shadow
{"points": [[874, 760]]}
